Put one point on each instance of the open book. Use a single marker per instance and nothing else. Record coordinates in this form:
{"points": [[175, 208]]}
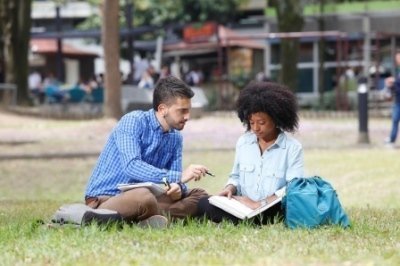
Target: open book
{"points": [[238, 209], [154, 188]]}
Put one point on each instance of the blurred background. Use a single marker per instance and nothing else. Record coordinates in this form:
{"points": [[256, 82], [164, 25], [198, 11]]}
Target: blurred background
{"points": [[106, 55]]}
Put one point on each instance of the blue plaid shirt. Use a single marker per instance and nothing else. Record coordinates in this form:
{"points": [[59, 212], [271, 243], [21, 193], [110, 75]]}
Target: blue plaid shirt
{"points": [[138, 150]]}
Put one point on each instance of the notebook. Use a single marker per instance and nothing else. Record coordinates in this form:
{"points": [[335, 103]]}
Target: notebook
{"points": [[238, 209], [156, 189]]}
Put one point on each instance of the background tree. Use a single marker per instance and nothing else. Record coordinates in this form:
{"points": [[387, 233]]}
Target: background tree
{"points": [[290, 19], [1, 46], [15, 25], [148, 12], [110, 41], [321, 51], [162, 12]]}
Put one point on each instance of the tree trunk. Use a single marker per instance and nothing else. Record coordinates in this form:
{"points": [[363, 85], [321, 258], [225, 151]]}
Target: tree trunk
{"points": [[110, 40], [21, 52], [8, 52], [321, 54], [16, 24], [290, 19], [2, 19]]}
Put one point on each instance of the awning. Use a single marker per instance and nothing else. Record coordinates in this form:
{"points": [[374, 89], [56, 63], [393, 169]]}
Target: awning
{"points": [[228, 38], [49, 46]]}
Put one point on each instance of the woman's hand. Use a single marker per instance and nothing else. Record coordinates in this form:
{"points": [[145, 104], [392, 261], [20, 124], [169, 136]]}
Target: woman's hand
{"points": [[271, 198], [228, 191], [248, 202], [254, 204]]}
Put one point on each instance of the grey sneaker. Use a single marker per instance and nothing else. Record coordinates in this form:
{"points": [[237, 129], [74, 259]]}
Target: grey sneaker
{"points": [[390, 145], [155, 221]]}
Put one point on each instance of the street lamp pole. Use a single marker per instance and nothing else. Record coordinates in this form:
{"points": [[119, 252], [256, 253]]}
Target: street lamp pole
{"points": [[363, 84], [363, 111]]}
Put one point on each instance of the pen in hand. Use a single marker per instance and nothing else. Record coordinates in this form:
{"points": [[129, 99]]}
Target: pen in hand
{"points": [[166, 183], [211, 174]]}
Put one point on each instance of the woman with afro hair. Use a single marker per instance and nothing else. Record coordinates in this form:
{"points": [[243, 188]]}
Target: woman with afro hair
{"points": [[266, 157]]}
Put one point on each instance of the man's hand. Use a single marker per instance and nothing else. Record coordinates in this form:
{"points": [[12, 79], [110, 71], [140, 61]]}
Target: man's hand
{"points": [[174, 192], [194, 171], [228, 191]]}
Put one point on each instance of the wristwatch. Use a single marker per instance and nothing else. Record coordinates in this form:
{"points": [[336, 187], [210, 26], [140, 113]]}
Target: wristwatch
{"points": [[263, 202]]}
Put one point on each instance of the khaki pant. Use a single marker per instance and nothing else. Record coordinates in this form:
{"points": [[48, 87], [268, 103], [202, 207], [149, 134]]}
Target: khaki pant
{"points": [[138, 204]]}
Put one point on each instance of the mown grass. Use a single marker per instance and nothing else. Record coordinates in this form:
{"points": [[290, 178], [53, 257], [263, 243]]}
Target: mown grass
{"points": [[366, 178]]}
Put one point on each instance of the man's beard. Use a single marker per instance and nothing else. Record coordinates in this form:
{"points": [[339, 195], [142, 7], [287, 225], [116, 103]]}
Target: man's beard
{"points": [[172, 124]]}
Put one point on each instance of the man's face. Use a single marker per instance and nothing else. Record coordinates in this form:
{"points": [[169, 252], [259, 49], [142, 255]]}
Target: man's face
{"points": [[178, 113]]}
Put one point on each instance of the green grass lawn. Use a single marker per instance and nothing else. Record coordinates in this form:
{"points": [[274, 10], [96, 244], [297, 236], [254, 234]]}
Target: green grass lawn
{"points": [[366, 178]]}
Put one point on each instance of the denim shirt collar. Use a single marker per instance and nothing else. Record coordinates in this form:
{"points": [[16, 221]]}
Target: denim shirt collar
{"points": [[280, 141]]}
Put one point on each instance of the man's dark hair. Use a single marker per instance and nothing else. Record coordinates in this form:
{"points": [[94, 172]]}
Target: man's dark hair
{"points": [[271, 98], [168, 89]]}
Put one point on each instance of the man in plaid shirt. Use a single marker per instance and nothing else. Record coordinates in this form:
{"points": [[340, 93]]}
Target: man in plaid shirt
{"points": [[146, 146]]}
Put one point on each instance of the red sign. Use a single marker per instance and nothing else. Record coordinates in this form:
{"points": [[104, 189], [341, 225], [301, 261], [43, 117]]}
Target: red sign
{"points": [[199, 32]]}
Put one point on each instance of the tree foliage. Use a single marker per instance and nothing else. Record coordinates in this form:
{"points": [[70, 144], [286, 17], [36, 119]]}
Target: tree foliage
{"points": [[221, 11], [290, 19], [161, 12]]}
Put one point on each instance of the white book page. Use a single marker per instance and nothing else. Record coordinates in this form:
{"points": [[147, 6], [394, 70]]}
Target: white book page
{"points": [[154, 188], [232, 206], [238, 209]]}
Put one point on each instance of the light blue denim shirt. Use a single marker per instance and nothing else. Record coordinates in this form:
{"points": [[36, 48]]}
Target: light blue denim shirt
{"points": [[257, 175]]}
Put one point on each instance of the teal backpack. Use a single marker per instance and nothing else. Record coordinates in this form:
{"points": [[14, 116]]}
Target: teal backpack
{"points": [[311, 202]]}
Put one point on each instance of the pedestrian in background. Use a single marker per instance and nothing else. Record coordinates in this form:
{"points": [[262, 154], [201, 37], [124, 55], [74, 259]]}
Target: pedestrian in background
{"points": [[393, 83]]}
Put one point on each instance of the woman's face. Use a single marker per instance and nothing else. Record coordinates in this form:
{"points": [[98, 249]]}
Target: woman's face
{"points": [[263, 126]]}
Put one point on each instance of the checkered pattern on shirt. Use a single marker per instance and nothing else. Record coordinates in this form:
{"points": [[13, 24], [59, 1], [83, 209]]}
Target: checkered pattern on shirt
{"points": [[137, 151]]}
